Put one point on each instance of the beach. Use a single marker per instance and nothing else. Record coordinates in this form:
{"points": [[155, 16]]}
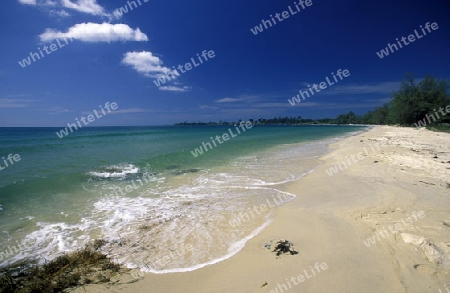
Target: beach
{"points": [[404, 181], [299, 157], [134, 188]]}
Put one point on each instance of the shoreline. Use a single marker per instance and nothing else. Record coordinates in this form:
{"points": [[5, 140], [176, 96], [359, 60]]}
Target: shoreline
{"points": [[269, 183], [331, 217]]}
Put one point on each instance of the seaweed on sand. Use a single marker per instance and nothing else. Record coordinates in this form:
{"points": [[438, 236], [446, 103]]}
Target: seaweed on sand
{"points": [[284, 246]]}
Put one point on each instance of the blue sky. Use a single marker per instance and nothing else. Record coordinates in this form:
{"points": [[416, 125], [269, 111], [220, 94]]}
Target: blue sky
{"points": [[116, 58]]}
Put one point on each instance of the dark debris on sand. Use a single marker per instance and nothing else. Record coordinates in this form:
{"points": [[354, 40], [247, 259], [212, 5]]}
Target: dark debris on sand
{"points": [[284, 246]]}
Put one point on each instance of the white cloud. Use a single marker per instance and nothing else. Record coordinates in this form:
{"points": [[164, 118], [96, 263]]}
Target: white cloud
{"points": [[95, 32], [15, 103], [368, 88], [85, 6], [174, 88], [227, 100], [145, 63], [232, 100], [206, 107], [132, 110], [61, 13], [58, 110], [28, 2], [150, 65]]}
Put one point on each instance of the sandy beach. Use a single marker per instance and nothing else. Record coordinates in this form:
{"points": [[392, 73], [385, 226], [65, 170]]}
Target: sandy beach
{"points": [[380, 223]]}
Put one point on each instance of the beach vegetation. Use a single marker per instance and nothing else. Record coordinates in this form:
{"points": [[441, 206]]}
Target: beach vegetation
{"points": [[85, 266], [415, 100], [424, 103]]}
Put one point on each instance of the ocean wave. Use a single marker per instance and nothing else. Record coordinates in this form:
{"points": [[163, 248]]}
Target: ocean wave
{"points": [[120, 171], [152, 220]]}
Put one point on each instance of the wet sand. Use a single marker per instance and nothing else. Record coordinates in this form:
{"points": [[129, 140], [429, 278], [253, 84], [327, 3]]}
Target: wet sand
{"points": [[394, 189]]}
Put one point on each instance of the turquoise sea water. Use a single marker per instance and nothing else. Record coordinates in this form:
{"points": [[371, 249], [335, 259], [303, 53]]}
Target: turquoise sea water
{"points": [[142, 190]]}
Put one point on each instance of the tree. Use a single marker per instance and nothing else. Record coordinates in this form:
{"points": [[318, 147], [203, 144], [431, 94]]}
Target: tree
{"points": [[379, 116], [413, 101], [349, 118]]}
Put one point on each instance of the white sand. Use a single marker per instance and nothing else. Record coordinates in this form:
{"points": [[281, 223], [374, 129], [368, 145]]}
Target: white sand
{"points": [[331, 218]]}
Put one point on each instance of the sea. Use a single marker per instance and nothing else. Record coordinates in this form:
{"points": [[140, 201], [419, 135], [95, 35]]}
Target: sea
{"points": [[158, 207]]}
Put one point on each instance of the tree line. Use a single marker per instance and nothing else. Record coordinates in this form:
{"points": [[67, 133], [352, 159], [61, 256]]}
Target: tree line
{"points": [[413, 102]]}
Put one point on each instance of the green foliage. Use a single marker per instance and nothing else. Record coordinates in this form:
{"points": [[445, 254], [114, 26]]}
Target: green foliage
{"points": [[413, 101], [440, 128], [377, 116], [410, 104], [349, 118]]}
